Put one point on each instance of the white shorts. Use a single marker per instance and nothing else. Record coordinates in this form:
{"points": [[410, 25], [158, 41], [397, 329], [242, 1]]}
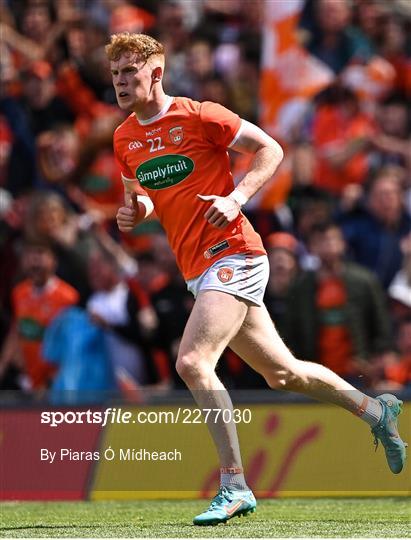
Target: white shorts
{"points": [[241, 275]]}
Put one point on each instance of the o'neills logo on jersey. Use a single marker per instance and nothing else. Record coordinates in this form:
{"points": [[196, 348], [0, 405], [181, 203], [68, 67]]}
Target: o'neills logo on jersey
{"points": [[134, 145], [164, 171]]}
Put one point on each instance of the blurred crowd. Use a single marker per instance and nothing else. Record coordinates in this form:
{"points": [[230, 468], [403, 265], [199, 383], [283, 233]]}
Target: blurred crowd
{"points": [[87, 309]]}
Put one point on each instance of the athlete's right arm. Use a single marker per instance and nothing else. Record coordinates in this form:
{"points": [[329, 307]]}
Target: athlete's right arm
{"points": [[136, 206]]}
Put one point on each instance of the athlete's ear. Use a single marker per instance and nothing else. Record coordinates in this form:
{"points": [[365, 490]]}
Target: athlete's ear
{"points": [[157, 74]]}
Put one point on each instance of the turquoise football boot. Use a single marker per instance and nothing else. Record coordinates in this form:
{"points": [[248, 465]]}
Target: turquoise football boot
{"points": [[225, 505], [387, 432]]}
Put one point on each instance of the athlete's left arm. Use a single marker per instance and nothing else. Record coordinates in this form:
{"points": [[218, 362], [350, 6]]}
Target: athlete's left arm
{"points": [[267, 157]]}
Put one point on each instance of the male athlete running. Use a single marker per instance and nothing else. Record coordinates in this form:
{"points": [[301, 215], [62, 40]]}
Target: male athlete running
{"points": [[172, 152]]}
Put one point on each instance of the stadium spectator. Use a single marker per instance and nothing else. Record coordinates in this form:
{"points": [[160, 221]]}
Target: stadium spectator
{"points": [[49, 219], [341, 134], [43, 107], [399, 292], [172, 15], [172, 303], [391, 145], [12, 219], [308, 203], [215, 89], [36, 20], [150, 275], [6, 145], [337, 314], [57, 151], [398, 373], [127, 317], [282, 251], [373, 232], [18, 144], [369, 17], [393, 47], [94, 182], [200, 66], [331, 38], [36, 301], [76, 346], [311, 212]]}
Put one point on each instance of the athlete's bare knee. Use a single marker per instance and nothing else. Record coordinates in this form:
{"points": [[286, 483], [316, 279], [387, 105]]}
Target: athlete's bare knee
{"points": [[289, 377], [191, 368], [278, 379]]}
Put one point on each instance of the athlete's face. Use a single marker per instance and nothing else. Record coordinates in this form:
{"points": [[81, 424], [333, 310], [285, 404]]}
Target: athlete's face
{"points": [[132, 81]]}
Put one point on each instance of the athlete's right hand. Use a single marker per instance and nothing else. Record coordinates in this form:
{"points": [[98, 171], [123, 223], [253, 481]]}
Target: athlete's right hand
{"points": [[128, 216]]}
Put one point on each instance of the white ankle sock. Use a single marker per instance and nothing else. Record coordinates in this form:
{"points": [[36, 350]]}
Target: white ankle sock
{"points": [[233, 478], [370, 411]]}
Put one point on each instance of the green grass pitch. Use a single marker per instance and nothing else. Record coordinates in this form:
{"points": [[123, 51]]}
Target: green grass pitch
{"points": [[384, 517]]}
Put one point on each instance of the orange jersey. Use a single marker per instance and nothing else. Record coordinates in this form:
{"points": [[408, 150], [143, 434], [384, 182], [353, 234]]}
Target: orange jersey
{"points": [[102, 182], [334, 341], [331, 131], [179, 153], [33, 311]]}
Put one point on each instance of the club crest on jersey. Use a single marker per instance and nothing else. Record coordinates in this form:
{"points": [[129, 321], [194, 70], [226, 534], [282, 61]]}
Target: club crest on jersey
{"points": [[225, 274], [176, 135]]}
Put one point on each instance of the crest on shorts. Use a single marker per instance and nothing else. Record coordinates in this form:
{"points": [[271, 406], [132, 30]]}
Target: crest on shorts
{"points": [[225, 274], [176, 135]]}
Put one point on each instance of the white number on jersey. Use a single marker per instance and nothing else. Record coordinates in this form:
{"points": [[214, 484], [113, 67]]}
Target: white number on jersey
{"points": [[156, 144]]}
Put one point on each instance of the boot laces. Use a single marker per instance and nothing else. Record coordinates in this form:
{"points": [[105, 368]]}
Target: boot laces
{"points": [[221, 497]]}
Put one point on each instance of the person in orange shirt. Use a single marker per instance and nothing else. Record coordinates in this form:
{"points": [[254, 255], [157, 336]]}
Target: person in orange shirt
{"points": [[340, 310], [342, 135], [172, 152], [36, 302]]}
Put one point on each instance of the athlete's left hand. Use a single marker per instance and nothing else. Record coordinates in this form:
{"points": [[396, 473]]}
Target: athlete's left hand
{"points": [[223, 211]]}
